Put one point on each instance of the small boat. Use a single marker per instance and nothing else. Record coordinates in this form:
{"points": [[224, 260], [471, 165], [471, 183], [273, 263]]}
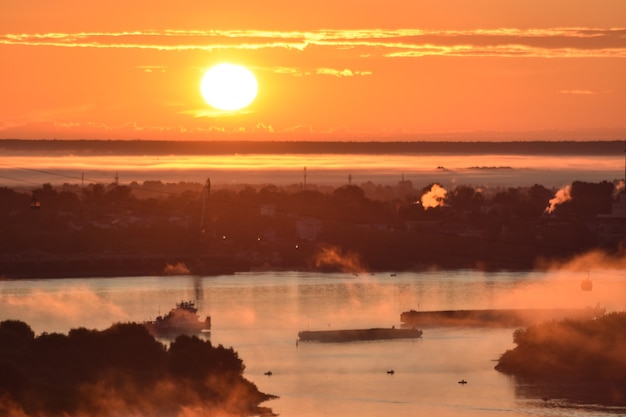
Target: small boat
{"points": [[183, 319]]}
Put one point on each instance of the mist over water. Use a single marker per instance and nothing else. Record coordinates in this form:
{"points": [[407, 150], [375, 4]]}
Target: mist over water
{"points": [[322, 169], [260, 314]]}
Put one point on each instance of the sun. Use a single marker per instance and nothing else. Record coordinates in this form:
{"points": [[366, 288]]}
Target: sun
{"points": [[228, 87]]}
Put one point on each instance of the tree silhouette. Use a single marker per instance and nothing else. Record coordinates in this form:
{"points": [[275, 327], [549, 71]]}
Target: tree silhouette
{"points": [[120, 369]]}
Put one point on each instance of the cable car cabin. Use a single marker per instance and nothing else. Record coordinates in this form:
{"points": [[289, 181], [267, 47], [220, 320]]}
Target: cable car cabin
{"points": [[35, 203], [586, 285]]}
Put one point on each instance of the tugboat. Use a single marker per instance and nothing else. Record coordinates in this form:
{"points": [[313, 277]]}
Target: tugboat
{"points": [[183, 319]]}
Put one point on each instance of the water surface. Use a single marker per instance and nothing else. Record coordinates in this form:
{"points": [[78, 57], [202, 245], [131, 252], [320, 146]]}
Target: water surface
{"points": [[259, 315]]}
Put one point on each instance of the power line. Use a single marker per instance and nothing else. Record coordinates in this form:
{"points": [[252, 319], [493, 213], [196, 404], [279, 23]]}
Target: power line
{"points": [[81, 179], [49, 173], [19, 180]]}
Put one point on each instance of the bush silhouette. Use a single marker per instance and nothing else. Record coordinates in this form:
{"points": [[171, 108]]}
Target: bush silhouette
{"points": [[581, 349], [122, 368]]}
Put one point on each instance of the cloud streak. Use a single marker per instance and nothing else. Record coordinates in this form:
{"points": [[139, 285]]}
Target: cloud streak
{"points": [[342, 73], [399, 43], [581, 92]]}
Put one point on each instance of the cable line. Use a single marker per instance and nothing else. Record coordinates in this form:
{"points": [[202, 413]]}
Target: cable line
{"points": [[50, 173], [91, 180], [19, 180]]}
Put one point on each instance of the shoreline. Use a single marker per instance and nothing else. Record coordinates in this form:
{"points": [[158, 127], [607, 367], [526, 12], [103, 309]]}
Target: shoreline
{"points": [[114, 266]]}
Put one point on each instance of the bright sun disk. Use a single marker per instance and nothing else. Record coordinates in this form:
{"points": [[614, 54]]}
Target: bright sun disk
{"points": [[228, 87]]}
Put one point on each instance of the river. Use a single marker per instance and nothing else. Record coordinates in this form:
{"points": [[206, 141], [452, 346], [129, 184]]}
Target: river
{"points": [[260, 314]]}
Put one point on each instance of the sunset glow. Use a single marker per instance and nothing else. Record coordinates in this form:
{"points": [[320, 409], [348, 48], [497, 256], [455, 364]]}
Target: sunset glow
{"points": [[312, 208], [415, 70], [228, 87], [295, 162]]}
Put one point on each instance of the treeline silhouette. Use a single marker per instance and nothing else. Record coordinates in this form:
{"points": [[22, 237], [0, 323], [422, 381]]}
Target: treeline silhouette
{"points": [[583, 350], [139, 228], [229, 147], [122, 370]]}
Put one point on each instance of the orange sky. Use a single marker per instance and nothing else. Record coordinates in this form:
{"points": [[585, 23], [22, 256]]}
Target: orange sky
{"points": [[515, 69]]}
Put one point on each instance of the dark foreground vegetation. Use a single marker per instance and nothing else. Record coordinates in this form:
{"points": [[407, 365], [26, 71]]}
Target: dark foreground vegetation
{"points": [[155, 228], [580, 352], [122, 370]]}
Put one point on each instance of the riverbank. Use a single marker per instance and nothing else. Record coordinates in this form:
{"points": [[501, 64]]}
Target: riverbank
{"points": [[111, 266]]}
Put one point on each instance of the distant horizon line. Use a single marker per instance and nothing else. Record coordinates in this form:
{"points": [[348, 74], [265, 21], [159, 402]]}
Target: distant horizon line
{"points": [[550, 135], [217, 147]]}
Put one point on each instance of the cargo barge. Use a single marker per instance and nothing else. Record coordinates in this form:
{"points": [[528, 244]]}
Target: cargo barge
{"points": [[494, 317], [351, 335]]}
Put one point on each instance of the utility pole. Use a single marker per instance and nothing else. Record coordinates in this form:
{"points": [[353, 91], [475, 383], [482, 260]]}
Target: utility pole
{"points": [[205, 203], [202, 242]]}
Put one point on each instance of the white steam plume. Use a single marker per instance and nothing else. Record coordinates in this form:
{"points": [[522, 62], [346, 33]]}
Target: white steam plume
{"points": [[434, 198], [561, 196]]}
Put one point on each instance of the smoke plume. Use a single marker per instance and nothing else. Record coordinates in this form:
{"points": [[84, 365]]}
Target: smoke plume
{"points": [[592, 260], [619, 187], [333, 257], [560, 197], [434, 198], [176, 269]]}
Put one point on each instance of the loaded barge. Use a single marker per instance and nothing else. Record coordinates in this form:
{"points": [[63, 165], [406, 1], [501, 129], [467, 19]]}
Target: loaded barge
{"points": [[351, 335], [494, 317]]}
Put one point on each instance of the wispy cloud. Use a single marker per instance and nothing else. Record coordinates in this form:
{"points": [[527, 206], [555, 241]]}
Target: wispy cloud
{"points": [[215, 113], [342, 73], [504, 42], [152, 68], [585, 92]]}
